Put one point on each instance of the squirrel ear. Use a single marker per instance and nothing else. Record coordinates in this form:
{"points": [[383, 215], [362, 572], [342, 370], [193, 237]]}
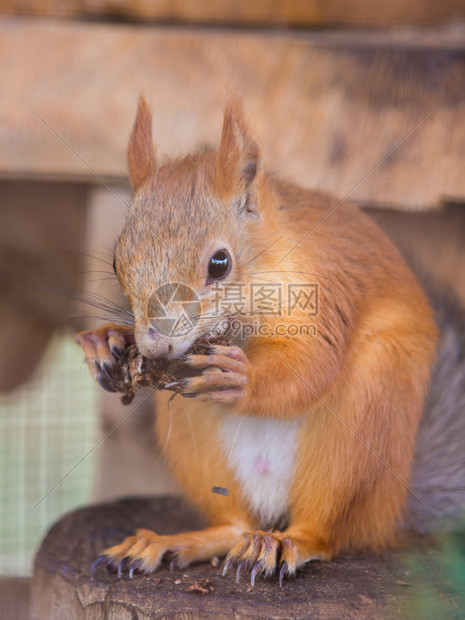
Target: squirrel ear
{"points": [[238, 160], [141, 153]]}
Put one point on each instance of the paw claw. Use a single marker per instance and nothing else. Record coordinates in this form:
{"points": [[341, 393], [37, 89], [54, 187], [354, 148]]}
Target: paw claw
{"points": [[117, 352], [282, 571], [135, 565], [257, 569], [227, 564], [102, 559], [238, 571], [104, 384], [105, 371], [121, 566]]}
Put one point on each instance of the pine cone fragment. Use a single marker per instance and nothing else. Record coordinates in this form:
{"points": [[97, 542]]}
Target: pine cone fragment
{"points": [[138, 371]]}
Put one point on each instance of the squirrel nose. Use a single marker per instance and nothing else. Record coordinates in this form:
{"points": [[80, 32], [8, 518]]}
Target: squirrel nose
{"points": [[162, 343], [152, 344]]}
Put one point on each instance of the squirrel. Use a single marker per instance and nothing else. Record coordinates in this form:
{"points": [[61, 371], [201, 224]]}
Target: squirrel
{"points": [[307, 436]]}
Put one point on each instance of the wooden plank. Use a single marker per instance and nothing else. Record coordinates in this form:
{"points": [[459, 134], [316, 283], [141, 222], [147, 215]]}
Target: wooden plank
{"points": [[327, 108], [263, 12], [371, 586]]}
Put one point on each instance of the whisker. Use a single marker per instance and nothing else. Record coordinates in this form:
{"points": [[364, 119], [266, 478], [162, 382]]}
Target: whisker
{"points": [[90, 271], [99, 258], [87, 317], [92, 299], [103, 302], [61, 252], [108, 279]]}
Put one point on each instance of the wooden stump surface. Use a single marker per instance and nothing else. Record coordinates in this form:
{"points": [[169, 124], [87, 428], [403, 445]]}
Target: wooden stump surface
{"points": [[375, 586]]}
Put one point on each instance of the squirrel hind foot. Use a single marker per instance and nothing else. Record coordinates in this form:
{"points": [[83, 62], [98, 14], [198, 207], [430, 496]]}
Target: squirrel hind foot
{"points": [[263, 553]]}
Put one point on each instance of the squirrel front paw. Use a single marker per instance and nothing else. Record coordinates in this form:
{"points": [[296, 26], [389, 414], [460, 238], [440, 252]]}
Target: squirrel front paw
{"points": [[116, 363], [105, 351], [225, 377]]}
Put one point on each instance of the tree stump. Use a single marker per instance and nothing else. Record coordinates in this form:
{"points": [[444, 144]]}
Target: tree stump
{"points": [[370, 586]]}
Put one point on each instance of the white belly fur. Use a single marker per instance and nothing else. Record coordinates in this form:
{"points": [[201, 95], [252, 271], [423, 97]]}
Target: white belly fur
{"points": [[261, 452]]}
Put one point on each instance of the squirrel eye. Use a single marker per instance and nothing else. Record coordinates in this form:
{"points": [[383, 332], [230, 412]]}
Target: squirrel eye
{"points": [[219, 266]]}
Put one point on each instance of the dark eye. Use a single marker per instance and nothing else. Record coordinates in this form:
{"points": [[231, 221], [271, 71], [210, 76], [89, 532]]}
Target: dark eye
{"points": [[114, 265], [219, 266]]}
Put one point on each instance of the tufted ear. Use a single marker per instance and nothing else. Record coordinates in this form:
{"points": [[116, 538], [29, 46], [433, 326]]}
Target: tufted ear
{"points": [[238, 160], [141, 152]]}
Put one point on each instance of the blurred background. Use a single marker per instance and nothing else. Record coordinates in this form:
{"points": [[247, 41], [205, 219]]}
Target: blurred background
{"points": [[366, 100]]}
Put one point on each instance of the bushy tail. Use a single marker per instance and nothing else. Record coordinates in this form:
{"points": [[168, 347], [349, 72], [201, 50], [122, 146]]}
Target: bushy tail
{"points": [[438, 473]]}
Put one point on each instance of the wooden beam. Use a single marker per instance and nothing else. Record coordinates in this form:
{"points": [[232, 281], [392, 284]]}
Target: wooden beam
{"points": [[378, 117], [299, 13]]}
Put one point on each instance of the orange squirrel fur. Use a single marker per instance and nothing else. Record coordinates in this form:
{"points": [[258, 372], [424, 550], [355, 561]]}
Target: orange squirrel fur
{"points": [[331, 416]]}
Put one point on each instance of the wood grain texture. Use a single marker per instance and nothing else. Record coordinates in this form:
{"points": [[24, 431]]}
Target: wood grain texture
{"points": [[353, 586], [326, 108], [263, 12]]}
